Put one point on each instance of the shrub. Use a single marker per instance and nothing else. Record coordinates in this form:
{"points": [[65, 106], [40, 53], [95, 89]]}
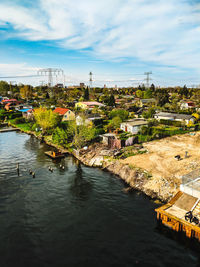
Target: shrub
{"points": [[19, 120], [121, 113]]}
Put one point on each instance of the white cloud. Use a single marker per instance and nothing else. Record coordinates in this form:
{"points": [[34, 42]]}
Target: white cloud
{"points": [[157, 31]]}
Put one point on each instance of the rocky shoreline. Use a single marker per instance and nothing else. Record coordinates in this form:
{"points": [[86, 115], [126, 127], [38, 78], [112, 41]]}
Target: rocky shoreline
{"points": [[98, 155]]}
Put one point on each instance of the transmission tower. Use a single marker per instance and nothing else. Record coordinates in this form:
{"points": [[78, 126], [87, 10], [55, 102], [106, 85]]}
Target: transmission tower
{"points": [[50, 72], [90, 80], [148, 77]]}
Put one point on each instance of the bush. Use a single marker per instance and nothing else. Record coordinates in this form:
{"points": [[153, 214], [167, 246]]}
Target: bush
{"points": [[122, 113], [19, 120], [174, 123], [99, 131]]}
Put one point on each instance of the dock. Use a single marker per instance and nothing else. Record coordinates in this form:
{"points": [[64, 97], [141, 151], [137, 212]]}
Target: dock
{"points": [[173, 213], [9, 130], [54, 155]]}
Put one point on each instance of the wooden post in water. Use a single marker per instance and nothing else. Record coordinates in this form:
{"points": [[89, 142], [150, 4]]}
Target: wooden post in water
{"points": [[18, 169]]}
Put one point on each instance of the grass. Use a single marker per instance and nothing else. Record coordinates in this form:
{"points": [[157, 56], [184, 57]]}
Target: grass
{"points": [[27, 126], [24, 126]]}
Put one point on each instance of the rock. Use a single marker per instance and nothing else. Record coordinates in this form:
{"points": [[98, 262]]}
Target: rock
{"points": [[96, 161]]}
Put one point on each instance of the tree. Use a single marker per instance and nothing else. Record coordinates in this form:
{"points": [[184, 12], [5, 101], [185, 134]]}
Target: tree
{"points": [[46, 118], [152, 87], [82, 135], [115, 123], [148, 93], [121, 113], [26, 92], [184, 91], [149, 113], [4, 87], [139, 93], [86, 94], [162, 97], [111, 100]]}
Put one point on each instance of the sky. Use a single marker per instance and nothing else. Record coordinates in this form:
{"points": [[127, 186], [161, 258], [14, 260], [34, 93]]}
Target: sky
{"points": [[118, 40]]}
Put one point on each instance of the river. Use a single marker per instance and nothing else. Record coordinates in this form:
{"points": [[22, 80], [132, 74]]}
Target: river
{"points": [[78, 216]]}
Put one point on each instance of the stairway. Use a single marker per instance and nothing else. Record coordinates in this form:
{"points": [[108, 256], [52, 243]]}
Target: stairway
{"points": [[177, 196], [196, 210]]}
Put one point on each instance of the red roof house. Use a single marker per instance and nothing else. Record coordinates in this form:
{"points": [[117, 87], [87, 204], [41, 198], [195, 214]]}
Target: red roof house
{"points": [[67, 114]]}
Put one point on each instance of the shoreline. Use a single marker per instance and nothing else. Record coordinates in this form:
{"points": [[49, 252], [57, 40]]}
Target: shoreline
{"points": [[137, 178]]}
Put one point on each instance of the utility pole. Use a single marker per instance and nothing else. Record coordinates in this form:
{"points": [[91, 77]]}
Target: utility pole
{"points": [[90, 80], [148, 77], [50, 72]]}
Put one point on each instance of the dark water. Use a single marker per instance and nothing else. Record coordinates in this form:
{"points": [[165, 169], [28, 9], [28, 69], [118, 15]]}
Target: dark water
{"points": [[76, 217]]}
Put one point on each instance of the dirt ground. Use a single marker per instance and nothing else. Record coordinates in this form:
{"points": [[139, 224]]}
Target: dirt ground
{"points": [[160, 160]]}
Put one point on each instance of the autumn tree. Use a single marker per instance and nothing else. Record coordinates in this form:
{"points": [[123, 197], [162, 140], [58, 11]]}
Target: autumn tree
{"points": [[26, 92], [46, 118]]}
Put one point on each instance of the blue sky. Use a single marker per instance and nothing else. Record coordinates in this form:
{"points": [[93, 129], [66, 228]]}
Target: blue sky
{"points": [[118, 40]]}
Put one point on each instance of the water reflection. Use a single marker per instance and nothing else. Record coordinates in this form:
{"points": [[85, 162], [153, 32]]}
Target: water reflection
{"points": [[81, 187]]}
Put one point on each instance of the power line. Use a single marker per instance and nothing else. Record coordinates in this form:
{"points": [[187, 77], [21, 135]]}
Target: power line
{"points": [[21, 76]]}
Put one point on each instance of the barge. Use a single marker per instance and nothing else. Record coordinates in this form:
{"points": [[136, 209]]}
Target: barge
{"points": [[182, 212]]}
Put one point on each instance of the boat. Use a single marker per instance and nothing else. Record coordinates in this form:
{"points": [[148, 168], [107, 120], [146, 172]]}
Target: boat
{"points": [[54, 154]]}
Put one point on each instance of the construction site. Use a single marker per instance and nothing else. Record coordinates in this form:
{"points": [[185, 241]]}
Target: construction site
{"points": [[175, 160]]}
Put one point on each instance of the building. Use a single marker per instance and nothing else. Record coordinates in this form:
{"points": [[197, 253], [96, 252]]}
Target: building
{"points": [[174, 117], [88, 119], [187, 105], [88, 105], [27, 113], [67, 115], [133, 126], [147, 102]]}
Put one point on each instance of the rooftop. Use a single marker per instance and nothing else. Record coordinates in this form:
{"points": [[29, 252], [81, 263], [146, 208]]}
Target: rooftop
{"points": [[135, 122], [61, 111], [92, 103], [173, 115]]}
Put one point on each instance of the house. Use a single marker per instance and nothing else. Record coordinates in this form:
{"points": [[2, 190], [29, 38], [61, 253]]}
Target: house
{"points": [[6, 101], [9, 106], [106, 138], [88, 119], [133, 126], [27, 113], [187, 105], [89, 105], [174, 117], [23, 106], [147, 102], [67, 115], [112, 141]]}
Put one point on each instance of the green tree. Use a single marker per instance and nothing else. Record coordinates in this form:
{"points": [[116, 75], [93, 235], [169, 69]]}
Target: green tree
{"points": [[121, 113], [82, 135], [184, 91], [111, 100], [86, 94], [139, 93], [148, 93], [149, 113], [4, 87], [115, 123]]}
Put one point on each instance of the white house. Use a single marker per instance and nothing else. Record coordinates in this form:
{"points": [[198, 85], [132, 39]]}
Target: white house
{"points": [[187, 105], [174, 117], [133, 126]]}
